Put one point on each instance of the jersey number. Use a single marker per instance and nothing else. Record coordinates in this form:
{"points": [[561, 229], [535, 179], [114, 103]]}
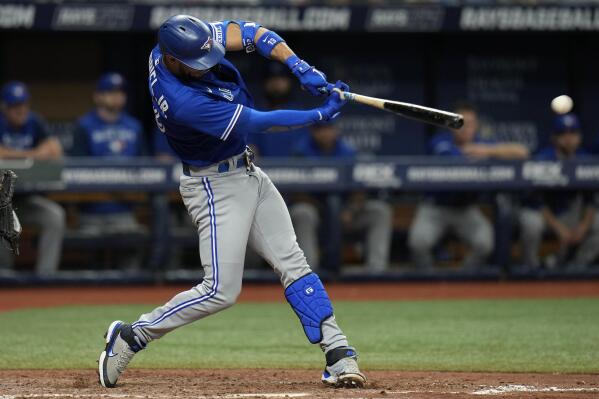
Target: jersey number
{"points": [[163, 107]]}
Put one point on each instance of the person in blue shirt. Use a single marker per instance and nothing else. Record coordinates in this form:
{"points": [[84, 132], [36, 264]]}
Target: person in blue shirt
{"points": [[203, 106], [360, 213], [458, 212], [23, 134], [570, 215], [109, 131]]}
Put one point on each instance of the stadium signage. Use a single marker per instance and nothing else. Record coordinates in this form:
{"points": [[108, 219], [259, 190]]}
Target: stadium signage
{"points": [[14, 16], [93, 17], [529, 18], [409, 19], [147, 16], [544, 173], [114, 176], [461, 174], [376, 175], [284, 18], [309, 175]]}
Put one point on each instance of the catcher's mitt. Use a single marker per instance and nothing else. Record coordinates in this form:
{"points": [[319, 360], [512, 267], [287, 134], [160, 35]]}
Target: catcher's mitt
{"points": [[10, 228]]}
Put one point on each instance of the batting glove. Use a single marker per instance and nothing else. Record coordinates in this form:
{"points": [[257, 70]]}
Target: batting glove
{"points": [[333, 104], [311, 79]]}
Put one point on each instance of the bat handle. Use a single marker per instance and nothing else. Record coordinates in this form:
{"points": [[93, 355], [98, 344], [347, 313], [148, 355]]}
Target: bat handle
{"points": [[344, 95]]}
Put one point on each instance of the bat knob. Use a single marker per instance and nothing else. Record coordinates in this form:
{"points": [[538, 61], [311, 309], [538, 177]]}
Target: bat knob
{"points": [[457, 123]]}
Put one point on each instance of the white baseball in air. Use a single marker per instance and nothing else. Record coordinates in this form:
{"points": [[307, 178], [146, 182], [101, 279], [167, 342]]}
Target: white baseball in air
{"points": [[562, 104]]}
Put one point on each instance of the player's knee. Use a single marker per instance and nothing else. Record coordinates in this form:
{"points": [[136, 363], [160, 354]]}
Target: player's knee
{"points": [[531, 224], [419, 241], [483, 245], [304, 213], [227, 294]]}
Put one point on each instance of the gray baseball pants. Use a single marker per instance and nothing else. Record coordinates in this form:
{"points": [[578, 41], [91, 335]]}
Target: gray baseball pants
{"points": [[50, 219], [533, 225], [375, 218], [231, 210], [432, 221]]}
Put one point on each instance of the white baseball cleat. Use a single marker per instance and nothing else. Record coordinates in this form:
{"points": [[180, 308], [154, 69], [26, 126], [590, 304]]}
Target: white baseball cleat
{"points": [[342, 369], [121, 345]]}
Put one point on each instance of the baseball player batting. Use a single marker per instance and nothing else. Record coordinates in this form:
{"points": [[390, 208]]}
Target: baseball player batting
{"points": [[204, 108]]}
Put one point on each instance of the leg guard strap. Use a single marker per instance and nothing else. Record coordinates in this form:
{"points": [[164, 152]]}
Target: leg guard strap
{"points": [[311, 304]]}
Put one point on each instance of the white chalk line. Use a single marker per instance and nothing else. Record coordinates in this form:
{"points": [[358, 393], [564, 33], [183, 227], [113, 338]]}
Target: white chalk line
{"points": [[528, 388], [492, 390], [127, 396]]}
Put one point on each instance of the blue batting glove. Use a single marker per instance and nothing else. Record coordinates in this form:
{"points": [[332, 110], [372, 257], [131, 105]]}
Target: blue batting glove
{"points": [[333, 104], [311, 79]]}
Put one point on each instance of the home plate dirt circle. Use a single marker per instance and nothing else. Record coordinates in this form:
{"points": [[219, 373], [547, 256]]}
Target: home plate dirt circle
{"points": [[281, 383]]}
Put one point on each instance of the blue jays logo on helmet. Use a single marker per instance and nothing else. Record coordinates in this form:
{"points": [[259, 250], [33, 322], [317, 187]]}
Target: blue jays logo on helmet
{"points": [[190, 41]]}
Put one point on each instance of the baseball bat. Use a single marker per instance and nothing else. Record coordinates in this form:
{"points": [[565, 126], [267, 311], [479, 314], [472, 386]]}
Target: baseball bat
{"points": [[412, 111]]}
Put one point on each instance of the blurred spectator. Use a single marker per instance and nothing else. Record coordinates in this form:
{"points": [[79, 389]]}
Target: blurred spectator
{"points": [[569, 214], [109, 131], [278, 94], [360, 213], [458, 212], [24, 135]]}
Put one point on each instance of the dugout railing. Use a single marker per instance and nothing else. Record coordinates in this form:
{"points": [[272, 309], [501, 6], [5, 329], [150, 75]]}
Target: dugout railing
{"points": [[156, 183]]}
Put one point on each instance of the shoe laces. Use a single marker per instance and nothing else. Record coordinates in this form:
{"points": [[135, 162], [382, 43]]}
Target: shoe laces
{"points": [[124, 358]]}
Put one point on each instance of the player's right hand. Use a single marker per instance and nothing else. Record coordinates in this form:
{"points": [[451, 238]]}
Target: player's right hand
{"points": [[333, 104]]}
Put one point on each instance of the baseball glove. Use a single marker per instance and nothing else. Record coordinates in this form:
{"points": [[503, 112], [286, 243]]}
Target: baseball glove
{"points": [[10, 228]]}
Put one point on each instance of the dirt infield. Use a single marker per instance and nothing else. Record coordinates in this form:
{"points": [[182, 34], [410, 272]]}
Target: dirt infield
{"points": [[263, 383], [19, 298]]}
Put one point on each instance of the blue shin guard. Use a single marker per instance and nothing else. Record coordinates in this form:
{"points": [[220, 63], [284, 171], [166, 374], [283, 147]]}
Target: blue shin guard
{"points": [[310, 303]]}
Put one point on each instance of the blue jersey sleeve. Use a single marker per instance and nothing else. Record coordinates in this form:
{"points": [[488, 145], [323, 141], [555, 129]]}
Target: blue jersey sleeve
{"points": [[212, 117]]}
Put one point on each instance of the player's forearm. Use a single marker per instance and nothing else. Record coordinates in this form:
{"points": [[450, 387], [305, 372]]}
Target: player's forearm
{"points": [[510, 151], [260, 37], [48, 150], [260, 121], [551, 220], [6, 152]]}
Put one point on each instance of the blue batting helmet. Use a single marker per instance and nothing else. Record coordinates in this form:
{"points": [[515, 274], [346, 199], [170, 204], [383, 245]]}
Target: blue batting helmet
{"points": [[190, 41]]}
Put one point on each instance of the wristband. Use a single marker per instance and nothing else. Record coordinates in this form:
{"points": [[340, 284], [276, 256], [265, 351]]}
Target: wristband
{"points": [[248, 33], [267, 43]]}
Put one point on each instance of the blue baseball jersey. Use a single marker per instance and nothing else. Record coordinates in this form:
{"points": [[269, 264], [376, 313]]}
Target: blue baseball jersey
{"points": [[97, 138], [307, 147], [25, 137], [199, 116]]}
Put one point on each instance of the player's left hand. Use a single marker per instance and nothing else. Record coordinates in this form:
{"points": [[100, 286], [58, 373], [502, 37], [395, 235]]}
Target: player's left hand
{"points": [[311, 79], [333, 104]]}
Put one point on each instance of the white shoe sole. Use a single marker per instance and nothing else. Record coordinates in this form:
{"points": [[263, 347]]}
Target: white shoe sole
{"points": [[102, 360], [349, 380]]}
